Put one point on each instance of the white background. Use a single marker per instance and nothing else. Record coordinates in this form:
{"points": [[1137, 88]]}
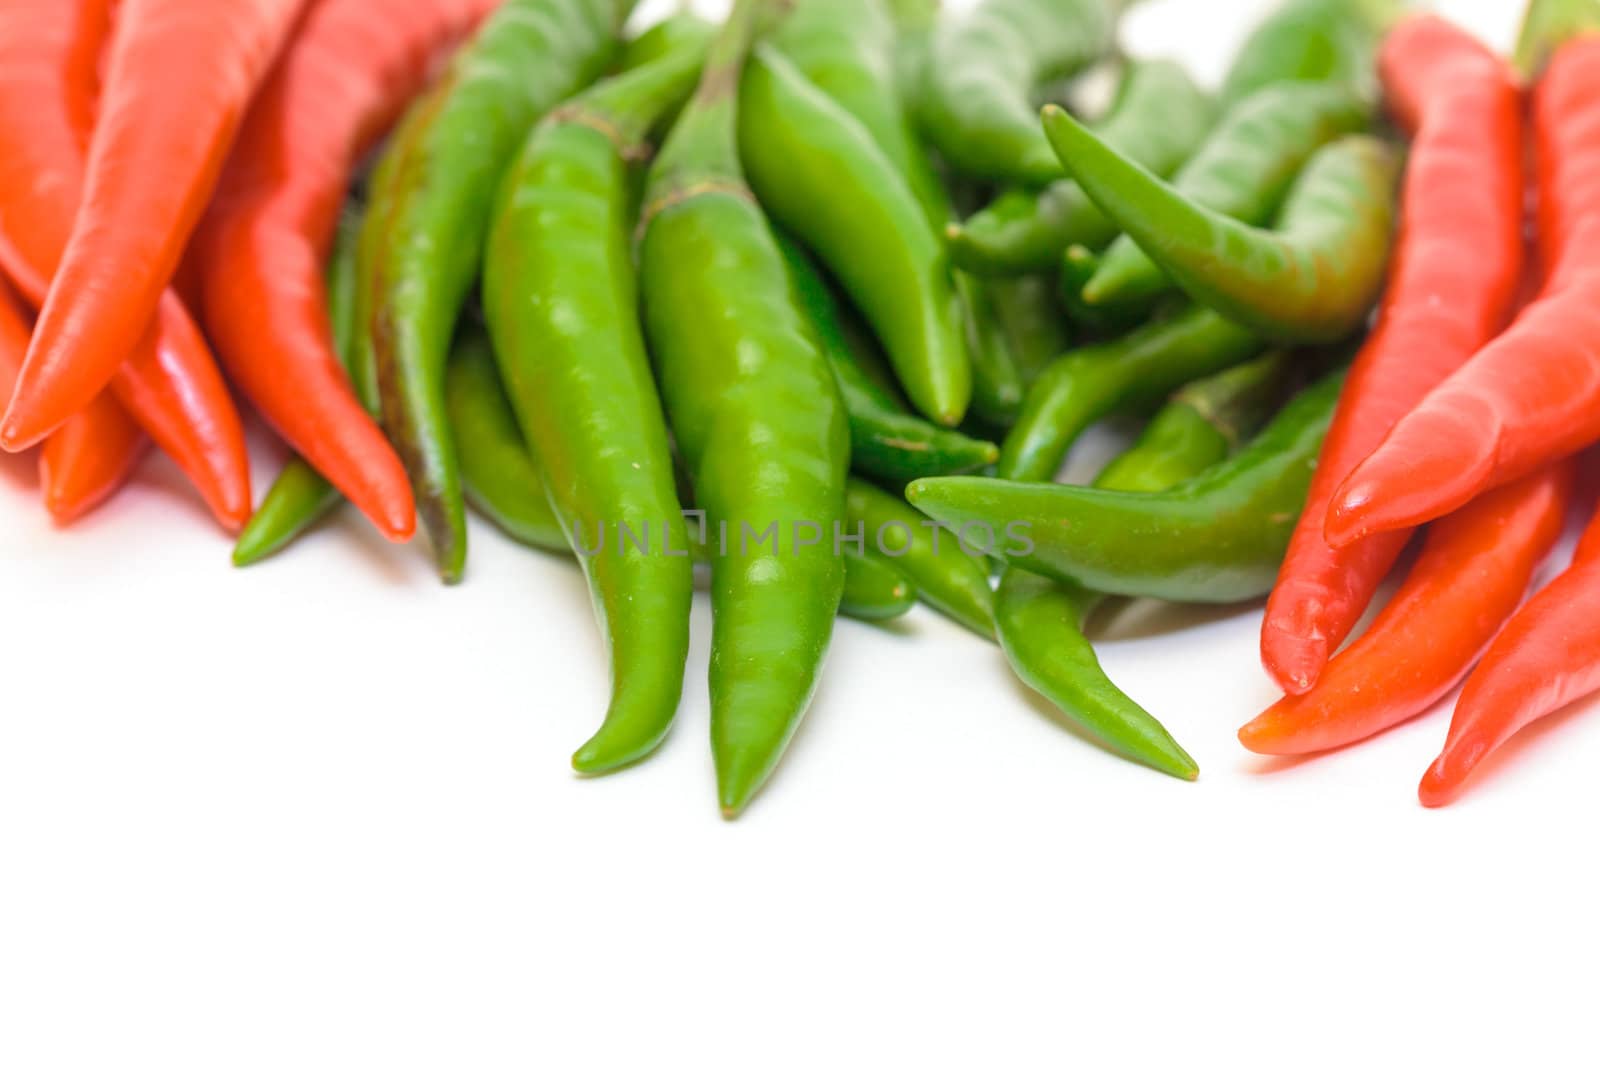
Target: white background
{"points": [[319, 813]]}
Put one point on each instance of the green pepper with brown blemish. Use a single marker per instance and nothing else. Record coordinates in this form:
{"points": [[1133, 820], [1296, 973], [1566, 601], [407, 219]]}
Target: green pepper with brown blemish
{"points": [[1218, 538], [1160, 116], [1314, 277]]}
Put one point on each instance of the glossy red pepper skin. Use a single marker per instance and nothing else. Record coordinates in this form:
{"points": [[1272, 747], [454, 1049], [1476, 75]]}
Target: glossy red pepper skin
{"points": [[1547, 657], [49, 80], [87, 460], [179, 76], [352, 68], [1452, 289], [1533, 394], [1472, 573]]}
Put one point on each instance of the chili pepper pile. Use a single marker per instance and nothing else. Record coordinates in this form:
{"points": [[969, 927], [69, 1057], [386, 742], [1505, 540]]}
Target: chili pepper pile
{"points": [[820, 299]]}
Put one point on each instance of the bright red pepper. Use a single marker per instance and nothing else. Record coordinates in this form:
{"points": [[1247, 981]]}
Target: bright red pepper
{"points": [[1453, 286], [49, 61], [179, 76], [1472, 573], [1547, 656], [91, 456], [1532, 395], [88, 459], [352, 68]]}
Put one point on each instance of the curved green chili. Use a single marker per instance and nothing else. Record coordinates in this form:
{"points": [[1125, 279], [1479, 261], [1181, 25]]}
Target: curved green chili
{"points": [[1215, 539], [1244, 171], [1040, 621], [1314, 278], [946, 575], [560, 295], [300, 496], [429, 215], [1128, 374], [1159, 118], [976, 100], [758, 421], [821, 175], [886, 441], [874, 590], [502, 482]]}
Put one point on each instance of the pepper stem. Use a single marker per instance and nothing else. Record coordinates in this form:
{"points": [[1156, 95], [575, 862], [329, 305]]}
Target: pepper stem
{"points": [[703, 148]]}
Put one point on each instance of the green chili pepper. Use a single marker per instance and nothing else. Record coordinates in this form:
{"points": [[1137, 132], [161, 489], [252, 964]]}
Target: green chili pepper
{"points": [[820, 174], [430, 212], [1040, 621], [1032, 321], [1329, 41], [671, 36], [757, 418], [1203, 423], [300, 496], [502, 481], [1128, 374], [1077, 267], [886, 441], [997, 385], [1215, 539], [1244, 171], [1314, 278], [950, 576], [846, 48], [1159, 118], [874, 591], [561, 297], [977, 96]]}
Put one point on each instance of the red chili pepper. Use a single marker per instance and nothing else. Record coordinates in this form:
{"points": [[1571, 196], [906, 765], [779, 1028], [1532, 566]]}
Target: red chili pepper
{"points": [[49, 57], [91, 456], [1547, 656], [1472, 573], [1532, 395], [1453, 286], [178, 79], [351, 70]]}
